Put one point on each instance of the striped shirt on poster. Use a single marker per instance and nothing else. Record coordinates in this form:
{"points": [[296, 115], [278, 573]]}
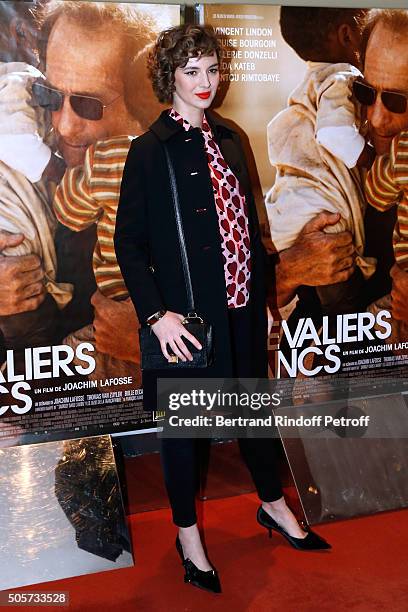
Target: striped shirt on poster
{"points": [[90, 194], [387, 186]]}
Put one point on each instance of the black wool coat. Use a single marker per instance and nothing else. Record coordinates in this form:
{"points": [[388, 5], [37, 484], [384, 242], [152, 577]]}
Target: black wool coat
{"points": [[147, 248]]}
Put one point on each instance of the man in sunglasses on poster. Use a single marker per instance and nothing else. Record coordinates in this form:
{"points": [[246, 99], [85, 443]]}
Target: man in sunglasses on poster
{"points": [[93, 92], [384, 92], [316, 258]]}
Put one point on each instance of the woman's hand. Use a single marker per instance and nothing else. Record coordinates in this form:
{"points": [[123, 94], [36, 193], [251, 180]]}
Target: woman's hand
{"points": [[170, 331]]}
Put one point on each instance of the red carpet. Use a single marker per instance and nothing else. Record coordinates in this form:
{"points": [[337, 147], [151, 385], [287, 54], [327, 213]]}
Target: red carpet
{"points": [[366, 571]]}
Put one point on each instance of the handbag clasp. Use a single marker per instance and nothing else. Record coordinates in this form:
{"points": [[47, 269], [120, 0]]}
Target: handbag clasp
{"points": [[192, 316]]}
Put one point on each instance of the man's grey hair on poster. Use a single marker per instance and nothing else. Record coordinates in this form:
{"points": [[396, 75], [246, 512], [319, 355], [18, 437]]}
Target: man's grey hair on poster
{"points": [[395, 20], [139, 32]]}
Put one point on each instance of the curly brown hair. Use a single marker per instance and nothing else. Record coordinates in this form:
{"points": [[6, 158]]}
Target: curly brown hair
{"points": [[173, 49]]}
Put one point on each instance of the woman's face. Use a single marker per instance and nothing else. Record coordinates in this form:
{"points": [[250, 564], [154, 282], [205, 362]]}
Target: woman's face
{"points": [[196, 84]]}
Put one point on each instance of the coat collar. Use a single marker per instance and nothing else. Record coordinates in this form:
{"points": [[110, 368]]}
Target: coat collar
{"points": [[164, 127]]}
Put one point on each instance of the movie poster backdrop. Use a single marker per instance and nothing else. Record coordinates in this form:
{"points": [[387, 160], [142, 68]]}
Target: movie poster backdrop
{"points": [[66, 384], [261, 71], [336, 359], [55, 382]]}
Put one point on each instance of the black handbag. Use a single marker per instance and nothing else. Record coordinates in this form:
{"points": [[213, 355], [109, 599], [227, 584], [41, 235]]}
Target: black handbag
{"points": [[152, 356]]}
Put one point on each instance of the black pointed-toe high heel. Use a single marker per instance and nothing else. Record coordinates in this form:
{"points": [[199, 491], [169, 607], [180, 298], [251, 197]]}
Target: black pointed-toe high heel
{"points": [[209, 581], [311, 542]]}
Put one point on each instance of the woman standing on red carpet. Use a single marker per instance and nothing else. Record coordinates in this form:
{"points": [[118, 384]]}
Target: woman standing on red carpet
{"points": [[227, 266]]}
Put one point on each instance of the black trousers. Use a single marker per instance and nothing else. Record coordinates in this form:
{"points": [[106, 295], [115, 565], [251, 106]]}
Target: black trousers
{"points": [[180, 456]]}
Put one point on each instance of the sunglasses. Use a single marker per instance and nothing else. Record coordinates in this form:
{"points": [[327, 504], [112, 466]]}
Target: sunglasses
{"points": [[85, 107], [393, 101]]}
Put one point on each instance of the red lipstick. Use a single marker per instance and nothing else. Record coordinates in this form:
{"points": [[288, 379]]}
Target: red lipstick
{"points": [[205, 95]]}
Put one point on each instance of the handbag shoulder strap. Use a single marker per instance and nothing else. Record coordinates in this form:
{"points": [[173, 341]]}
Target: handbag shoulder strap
{"points": [[180, 231]]}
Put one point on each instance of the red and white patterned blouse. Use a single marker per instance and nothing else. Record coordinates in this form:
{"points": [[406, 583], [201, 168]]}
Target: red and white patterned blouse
{"points": [[232, 218]]}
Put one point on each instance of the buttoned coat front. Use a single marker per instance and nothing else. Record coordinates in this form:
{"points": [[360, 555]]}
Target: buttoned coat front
{"points": [[147, 247]]}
